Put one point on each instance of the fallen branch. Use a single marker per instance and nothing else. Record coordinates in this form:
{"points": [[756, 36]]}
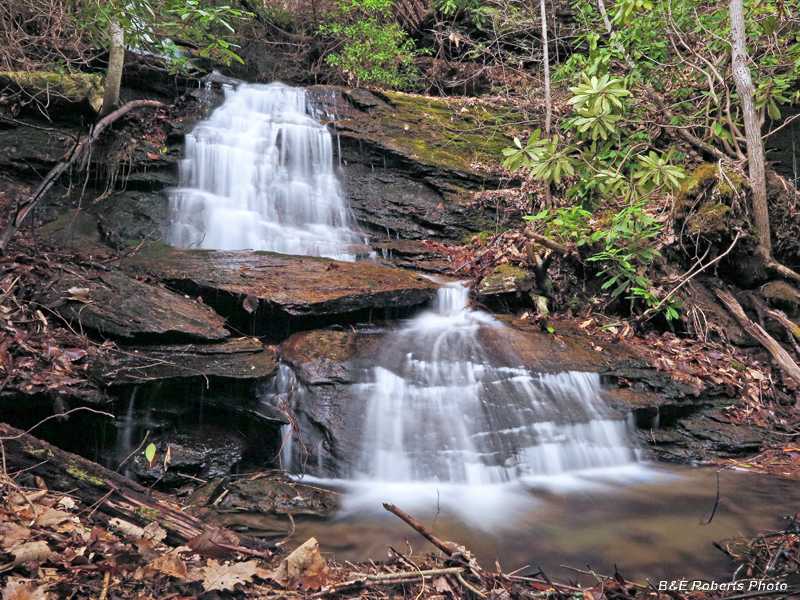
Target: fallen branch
{"points": [[443, 546], [686, 279], [552, 244], [92, 484], [74, 155], [781, 356], [782, 270]]}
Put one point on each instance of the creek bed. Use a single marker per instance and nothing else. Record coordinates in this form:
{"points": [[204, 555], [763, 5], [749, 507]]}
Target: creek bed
{"points": [[650, 521]]}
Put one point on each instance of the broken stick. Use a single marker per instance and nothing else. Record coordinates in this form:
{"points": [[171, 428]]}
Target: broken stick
{"points": [[420, 529]]}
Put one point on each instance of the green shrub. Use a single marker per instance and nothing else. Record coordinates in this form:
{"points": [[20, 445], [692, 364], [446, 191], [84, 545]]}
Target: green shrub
{"points": [[374, 50]]}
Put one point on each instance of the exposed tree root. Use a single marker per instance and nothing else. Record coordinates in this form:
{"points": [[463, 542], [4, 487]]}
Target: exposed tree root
{"points": [[77, 153]]}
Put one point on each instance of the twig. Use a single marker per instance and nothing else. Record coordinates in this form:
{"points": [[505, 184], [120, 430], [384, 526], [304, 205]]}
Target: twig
{"points": [[106, 584], [64, 414], [686, 279], [716, 500], [764, 593], [75, 154], [386, 579], [127, 458], [291, 532], [416, 574], [4, 478], [482, 254], [419, 528], [471, 588]]}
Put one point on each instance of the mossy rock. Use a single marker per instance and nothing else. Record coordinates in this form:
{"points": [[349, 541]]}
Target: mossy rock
{"points": [[45, 85], [782, 295], [505, 279], [461, 135], [711, 203]]}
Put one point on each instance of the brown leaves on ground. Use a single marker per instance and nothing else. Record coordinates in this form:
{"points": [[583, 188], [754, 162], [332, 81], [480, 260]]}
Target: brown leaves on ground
{"points": [[304, 568], [51, 553], [229, 577], [781, 460], [36, 354], [71, 554]]}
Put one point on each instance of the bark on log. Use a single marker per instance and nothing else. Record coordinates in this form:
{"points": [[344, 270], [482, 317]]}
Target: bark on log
{"points": [[781, 356], [109, 493]]}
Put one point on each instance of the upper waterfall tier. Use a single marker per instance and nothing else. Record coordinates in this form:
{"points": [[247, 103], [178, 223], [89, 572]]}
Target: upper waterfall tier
{"points": [[259, 174]]}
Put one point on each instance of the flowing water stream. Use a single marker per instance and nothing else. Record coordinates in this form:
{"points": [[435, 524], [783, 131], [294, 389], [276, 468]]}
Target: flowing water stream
{"points": [[439, 410], [516, 464], [259, 174]]}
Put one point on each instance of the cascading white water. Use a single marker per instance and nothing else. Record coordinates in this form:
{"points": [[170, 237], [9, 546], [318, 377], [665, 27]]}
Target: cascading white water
{"points": [[259, 174], [439, 411]]}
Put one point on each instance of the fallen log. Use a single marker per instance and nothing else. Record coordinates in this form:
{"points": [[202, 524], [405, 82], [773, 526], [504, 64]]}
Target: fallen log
{"points": [[781, 356], [102, 490]]}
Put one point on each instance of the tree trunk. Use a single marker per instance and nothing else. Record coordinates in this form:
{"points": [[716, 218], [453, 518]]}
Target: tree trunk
{"points": [[752, 127], [548, 102], [116, 59]]}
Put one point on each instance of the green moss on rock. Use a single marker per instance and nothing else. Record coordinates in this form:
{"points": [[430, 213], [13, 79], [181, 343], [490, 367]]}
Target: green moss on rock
{"points": [[71, 87], [782, 295], [505, 279], [711, 203], [457, 134], [712, 216]]}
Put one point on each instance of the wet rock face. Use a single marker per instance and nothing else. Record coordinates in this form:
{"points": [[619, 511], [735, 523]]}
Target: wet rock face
{"points": [[120, 307], [284, 291], [406, 162], [672, 420], [227, 363], [205, 455], [328, 366], [408, 159], [389, 203]]}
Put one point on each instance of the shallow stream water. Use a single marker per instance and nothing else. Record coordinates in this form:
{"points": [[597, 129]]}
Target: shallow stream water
{"points": [[651, 521]]}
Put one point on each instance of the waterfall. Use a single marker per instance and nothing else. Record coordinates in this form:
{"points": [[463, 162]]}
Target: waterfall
{"points": [[438, 410], [259, 174]]}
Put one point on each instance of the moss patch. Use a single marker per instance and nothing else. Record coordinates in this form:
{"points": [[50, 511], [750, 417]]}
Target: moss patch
{"points": [[711, 203], [505, 279], [74, 88], [82, 475], [782, 295], [712, 216], [147, 514], [463, 135]]}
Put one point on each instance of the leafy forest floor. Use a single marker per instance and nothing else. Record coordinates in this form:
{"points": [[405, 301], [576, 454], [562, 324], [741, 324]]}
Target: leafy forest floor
{"points": [[54, 546]]}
